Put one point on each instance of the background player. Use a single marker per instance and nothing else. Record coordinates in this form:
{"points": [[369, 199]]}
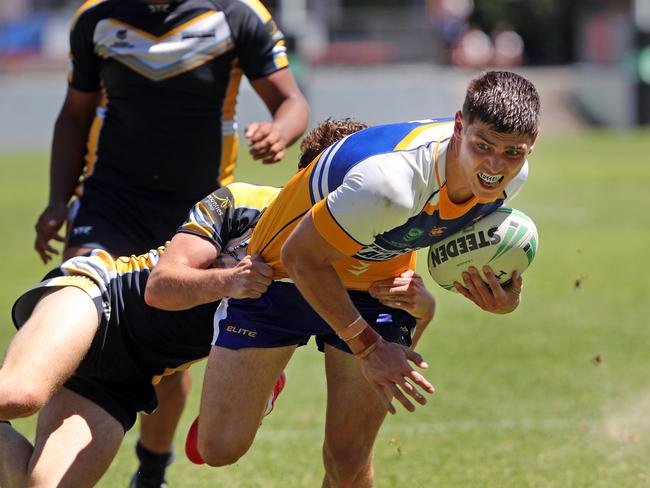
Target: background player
{"points": [[352, 217], [151, 104]]}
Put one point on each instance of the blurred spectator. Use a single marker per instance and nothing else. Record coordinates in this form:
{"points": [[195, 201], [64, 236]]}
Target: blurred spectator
{"points": [[473, 49], [449, 18], [508, 47]]}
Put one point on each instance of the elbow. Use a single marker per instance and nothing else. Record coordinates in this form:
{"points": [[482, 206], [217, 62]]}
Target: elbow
{"points": [[153, 297], [150, 296], [288, 257]]}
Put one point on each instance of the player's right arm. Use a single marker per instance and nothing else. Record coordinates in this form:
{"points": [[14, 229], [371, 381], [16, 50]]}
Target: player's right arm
{"points": [[67, 162], [187, 273], [308, 257], [184, 277], [71, 129]]}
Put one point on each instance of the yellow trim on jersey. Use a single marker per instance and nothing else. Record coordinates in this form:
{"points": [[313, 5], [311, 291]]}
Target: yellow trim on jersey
{"points": [[410, 137], [229, 151], [331, 231], [87, 5], [259, 9], [281, 60], [230, 142], [175, 30], [230, 99], [91, 145], [170, 371], [82, 282], [253, 196], [178, 68]]}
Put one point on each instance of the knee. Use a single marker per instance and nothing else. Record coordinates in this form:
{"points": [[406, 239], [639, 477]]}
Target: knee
{"points": [[347, 461], [222, 451], [20, 400]]}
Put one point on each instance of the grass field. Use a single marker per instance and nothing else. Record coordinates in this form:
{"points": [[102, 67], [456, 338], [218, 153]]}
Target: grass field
{"points": [[556, 394]]}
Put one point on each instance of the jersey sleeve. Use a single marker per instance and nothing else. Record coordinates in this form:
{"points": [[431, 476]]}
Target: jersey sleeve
{"points": [[83, 72], [259, 44], [211, 218], [375, 196]]}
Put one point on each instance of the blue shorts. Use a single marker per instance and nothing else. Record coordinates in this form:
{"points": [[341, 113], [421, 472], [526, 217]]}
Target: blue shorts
{"points": [[282, 317]]}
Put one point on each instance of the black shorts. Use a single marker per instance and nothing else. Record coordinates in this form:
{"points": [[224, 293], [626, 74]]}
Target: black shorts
{"points": [[123, 222], [111, 374]]}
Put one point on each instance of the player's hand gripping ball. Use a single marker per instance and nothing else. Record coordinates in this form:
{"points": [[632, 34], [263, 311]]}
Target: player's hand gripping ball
{"points": [[506, 240]]}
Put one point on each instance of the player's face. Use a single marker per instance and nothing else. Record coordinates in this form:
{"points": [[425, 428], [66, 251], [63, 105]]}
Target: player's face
{"points": [[488, 159]]}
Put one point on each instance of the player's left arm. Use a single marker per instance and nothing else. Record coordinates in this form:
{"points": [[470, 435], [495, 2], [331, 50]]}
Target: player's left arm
{"points": [[407, 292], [262, 54], [491, 296], [281, 95]]}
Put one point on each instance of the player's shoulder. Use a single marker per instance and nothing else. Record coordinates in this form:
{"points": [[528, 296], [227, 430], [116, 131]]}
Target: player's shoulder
{"points": [[93, 11], [251, 196]]}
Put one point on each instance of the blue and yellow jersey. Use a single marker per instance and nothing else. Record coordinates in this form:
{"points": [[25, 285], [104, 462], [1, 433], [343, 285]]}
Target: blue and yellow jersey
{"points": [[170, 74], [376, 196], [160, 341]]}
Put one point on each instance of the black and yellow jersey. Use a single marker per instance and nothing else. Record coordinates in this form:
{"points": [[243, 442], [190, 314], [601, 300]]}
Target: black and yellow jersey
{"points": [[170, 76], [144, 341]]}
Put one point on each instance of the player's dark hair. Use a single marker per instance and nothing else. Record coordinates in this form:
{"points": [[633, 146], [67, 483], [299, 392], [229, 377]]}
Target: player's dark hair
{"points": [[324, 135], [505, 101]]}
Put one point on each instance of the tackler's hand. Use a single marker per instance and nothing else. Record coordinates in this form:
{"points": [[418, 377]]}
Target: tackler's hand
{"points": [[250, 278]]}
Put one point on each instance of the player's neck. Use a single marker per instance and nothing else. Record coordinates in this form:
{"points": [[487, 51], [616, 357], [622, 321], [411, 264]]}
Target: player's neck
{"points": [[457, 190]]}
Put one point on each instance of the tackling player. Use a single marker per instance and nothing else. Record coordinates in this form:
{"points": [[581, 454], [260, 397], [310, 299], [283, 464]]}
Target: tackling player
{"points": [[149, 127], [352, 217], [91, 370]]}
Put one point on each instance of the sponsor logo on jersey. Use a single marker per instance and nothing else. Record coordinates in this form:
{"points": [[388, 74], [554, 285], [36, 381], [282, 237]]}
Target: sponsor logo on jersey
{"points": [[122, 45], [464, 244], [413, 234], [375, 252], [82, 230], [198, 35], [437, 231], [158, 8], [359, 268], [218, 204]]}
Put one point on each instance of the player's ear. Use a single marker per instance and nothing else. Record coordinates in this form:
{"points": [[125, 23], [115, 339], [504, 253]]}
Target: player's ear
{"points": [[458, 125], [532, 142]]}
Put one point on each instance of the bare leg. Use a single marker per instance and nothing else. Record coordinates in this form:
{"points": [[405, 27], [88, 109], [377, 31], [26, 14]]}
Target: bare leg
{"points": [[75, 443], [15, 453], [46, 351], [236, 389], [354, 416]]}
